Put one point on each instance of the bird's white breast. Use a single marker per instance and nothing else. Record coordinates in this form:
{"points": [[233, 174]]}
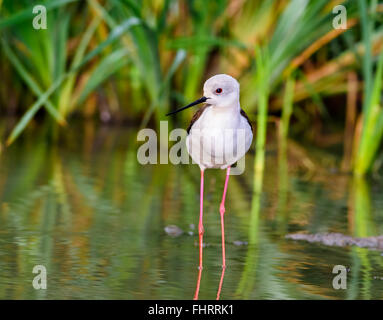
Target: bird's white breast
{"points": [[219, 138]]}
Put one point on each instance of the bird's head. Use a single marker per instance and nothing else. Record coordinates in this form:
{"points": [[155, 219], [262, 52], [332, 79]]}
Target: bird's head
{"points": [[220, 91]]}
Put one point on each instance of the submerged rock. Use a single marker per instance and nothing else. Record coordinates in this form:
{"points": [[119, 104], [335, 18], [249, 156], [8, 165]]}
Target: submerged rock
{"points": [[339, 240], [240, 243], [173, 230]]}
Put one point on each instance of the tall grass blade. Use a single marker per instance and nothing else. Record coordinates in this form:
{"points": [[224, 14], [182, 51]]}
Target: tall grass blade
{"points": [[31, 82], [372, 132], [262, 80]]}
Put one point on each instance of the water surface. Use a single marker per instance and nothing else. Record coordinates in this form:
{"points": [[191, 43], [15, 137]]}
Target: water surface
{"points": [[94, 217]]}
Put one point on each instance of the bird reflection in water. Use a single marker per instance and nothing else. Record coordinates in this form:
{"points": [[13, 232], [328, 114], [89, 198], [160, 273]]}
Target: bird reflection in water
{"points": [[199, 282]]}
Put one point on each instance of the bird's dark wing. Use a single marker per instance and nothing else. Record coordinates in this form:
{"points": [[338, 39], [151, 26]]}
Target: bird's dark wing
{"points": [[243, 113], [196, 116]]}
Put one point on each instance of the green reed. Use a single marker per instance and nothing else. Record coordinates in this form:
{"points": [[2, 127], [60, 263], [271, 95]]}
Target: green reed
{"points": [[372, 115], [262, 81], [167, 48]]}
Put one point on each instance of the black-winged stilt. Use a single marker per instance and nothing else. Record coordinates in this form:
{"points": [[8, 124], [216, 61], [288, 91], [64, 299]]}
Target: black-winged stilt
{"points": [[219, 135]]}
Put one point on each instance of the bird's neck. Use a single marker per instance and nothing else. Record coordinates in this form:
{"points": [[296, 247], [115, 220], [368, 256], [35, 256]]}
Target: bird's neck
{"points": [[233, 108]]}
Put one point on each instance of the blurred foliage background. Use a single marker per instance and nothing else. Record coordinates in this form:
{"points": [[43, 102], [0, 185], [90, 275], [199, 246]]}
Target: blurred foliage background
{"points": [[131, 61], [74, 197]]}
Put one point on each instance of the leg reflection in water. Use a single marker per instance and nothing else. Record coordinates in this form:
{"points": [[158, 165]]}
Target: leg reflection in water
{"points": [[220, 284], [199, 282]]}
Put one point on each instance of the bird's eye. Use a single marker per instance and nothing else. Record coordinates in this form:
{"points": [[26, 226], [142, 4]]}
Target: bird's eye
{"points": [[219, 90]]}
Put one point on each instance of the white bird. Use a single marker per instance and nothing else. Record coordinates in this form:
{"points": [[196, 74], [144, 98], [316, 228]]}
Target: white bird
{"points": [[219, 135]]}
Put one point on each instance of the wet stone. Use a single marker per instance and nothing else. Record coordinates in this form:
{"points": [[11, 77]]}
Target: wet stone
{"points": [[173, 230], [240, 243], [339, 240]]}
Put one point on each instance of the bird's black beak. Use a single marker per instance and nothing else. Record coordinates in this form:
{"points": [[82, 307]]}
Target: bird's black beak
{"points": [[203, 99]]}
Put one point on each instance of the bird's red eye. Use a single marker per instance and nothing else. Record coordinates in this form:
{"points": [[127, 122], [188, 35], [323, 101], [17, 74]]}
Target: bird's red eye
{"points": [[219, 90]]}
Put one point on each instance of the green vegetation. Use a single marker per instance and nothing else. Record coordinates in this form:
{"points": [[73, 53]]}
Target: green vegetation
{"points": [[74, 197], [372, 128], [136, 60]]}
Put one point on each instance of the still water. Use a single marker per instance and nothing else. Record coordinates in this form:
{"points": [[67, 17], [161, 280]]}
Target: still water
{"points": [[94, 217]]}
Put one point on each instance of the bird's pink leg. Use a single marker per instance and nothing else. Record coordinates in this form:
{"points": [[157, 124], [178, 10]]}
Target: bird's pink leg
{"points": [[200, 233], [200, 225], [222, 212]]}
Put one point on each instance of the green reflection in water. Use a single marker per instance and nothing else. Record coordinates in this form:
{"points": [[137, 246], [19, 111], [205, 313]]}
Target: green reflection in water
{"points": [[87, 210]]}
